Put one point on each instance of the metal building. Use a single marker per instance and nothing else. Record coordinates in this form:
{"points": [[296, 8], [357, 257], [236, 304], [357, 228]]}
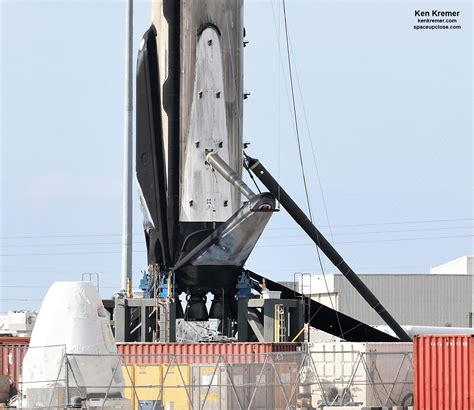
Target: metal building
{"points": [[443, 297]]}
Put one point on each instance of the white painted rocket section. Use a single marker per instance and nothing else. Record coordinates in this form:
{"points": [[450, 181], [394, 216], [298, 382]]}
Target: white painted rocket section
{"points": [[72, 320], [206, 196], [228, 18]]}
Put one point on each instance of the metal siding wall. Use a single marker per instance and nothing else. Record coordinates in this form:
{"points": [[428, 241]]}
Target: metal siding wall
{"points": [[434, 300]]}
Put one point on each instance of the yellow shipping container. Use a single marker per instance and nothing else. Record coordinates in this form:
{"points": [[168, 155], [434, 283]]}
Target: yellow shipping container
{"points": [[209, 386], [129, 376], [148, 381], [142, 383], [176, 386]]}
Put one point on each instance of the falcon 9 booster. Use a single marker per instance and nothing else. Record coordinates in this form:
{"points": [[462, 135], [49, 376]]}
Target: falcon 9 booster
{"points": [[199, 228]]}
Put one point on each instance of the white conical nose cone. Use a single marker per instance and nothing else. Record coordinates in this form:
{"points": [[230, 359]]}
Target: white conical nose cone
{"points": [[72, 321], [72, 314]]}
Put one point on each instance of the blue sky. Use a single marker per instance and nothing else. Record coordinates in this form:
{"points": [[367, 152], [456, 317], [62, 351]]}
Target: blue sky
{"points": [[386, 109]]}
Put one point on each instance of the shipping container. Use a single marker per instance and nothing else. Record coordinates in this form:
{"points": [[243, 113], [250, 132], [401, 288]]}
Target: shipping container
{"points": [[128, 372], [4, 388], [14, 340], [209, 386], [13, 350], [177, 392], [362, 374], [204, 353], [221, 385], [11, 359], [444, 372], [148, 381]]}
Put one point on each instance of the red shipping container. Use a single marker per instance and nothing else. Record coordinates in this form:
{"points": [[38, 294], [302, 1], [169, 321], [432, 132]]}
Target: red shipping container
{"points": [[13, 350], [444, 372], [7, 340], [11, 359], [158, 353]]}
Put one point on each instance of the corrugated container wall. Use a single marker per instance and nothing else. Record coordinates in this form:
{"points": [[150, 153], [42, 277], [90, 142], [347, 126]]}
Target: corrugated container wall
{"points": [[11, 359], [444, 376], [205, 353], [12, 351]]}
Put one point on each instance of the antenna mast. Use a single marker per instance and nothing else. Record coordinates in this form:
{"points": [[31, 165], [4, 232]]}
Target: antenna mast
{"points": [[127, 152]]}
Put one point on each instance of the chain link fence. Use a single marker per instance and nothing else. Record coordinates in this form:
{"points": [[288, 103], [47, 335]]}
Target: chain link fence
{"points": [[286, 380]]}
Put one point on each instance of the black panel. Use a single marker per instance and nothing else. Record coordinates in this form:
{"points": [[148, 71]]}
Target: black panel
{"points": [[207, 278], [171, 12], [150, 162], [329, 320]]}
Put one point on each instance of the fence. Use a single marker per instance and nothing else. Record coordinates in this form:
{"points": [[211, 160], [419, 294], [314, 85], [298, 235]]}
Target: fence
{"points": [[363, 375], [261, 380]]}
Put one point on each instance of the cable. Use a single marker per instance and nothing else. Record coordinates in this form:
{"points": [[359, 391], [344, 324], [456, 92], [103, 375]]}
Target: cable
{"points": [[370, 241], [52, 270], [252, 177], [374, 232], [404, 222], [323, 198], [278, 34], [295, 116], [268, 229], [383, 223], [304, 270], [257, 246], [263, 237], [60, 244], [20, 287], [300, 153]]}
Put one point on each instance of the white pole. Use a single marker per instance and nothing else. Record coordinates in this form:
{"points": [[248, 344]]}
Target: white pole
{"points": [[127, 151]]}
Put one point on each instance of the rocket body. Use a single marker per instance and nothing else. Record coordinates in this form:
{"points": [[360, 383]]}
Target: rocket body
{"points": [[190, 103]]}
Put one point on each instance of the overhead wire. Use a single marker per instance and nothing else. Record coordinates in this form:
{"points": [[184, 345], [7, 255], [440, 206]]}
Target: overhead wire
{"points": [[257, 246], [373, 232], [19, 288], [278, 236], [318, 177], [308, 130], [278, 32], [374, 241], [300, 154], [410, 222]]}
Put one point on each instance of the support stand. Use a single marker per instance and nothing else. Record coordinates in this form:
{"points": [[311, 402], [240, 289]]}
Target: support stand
{"points": [[144, 320], [259, 316]]}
